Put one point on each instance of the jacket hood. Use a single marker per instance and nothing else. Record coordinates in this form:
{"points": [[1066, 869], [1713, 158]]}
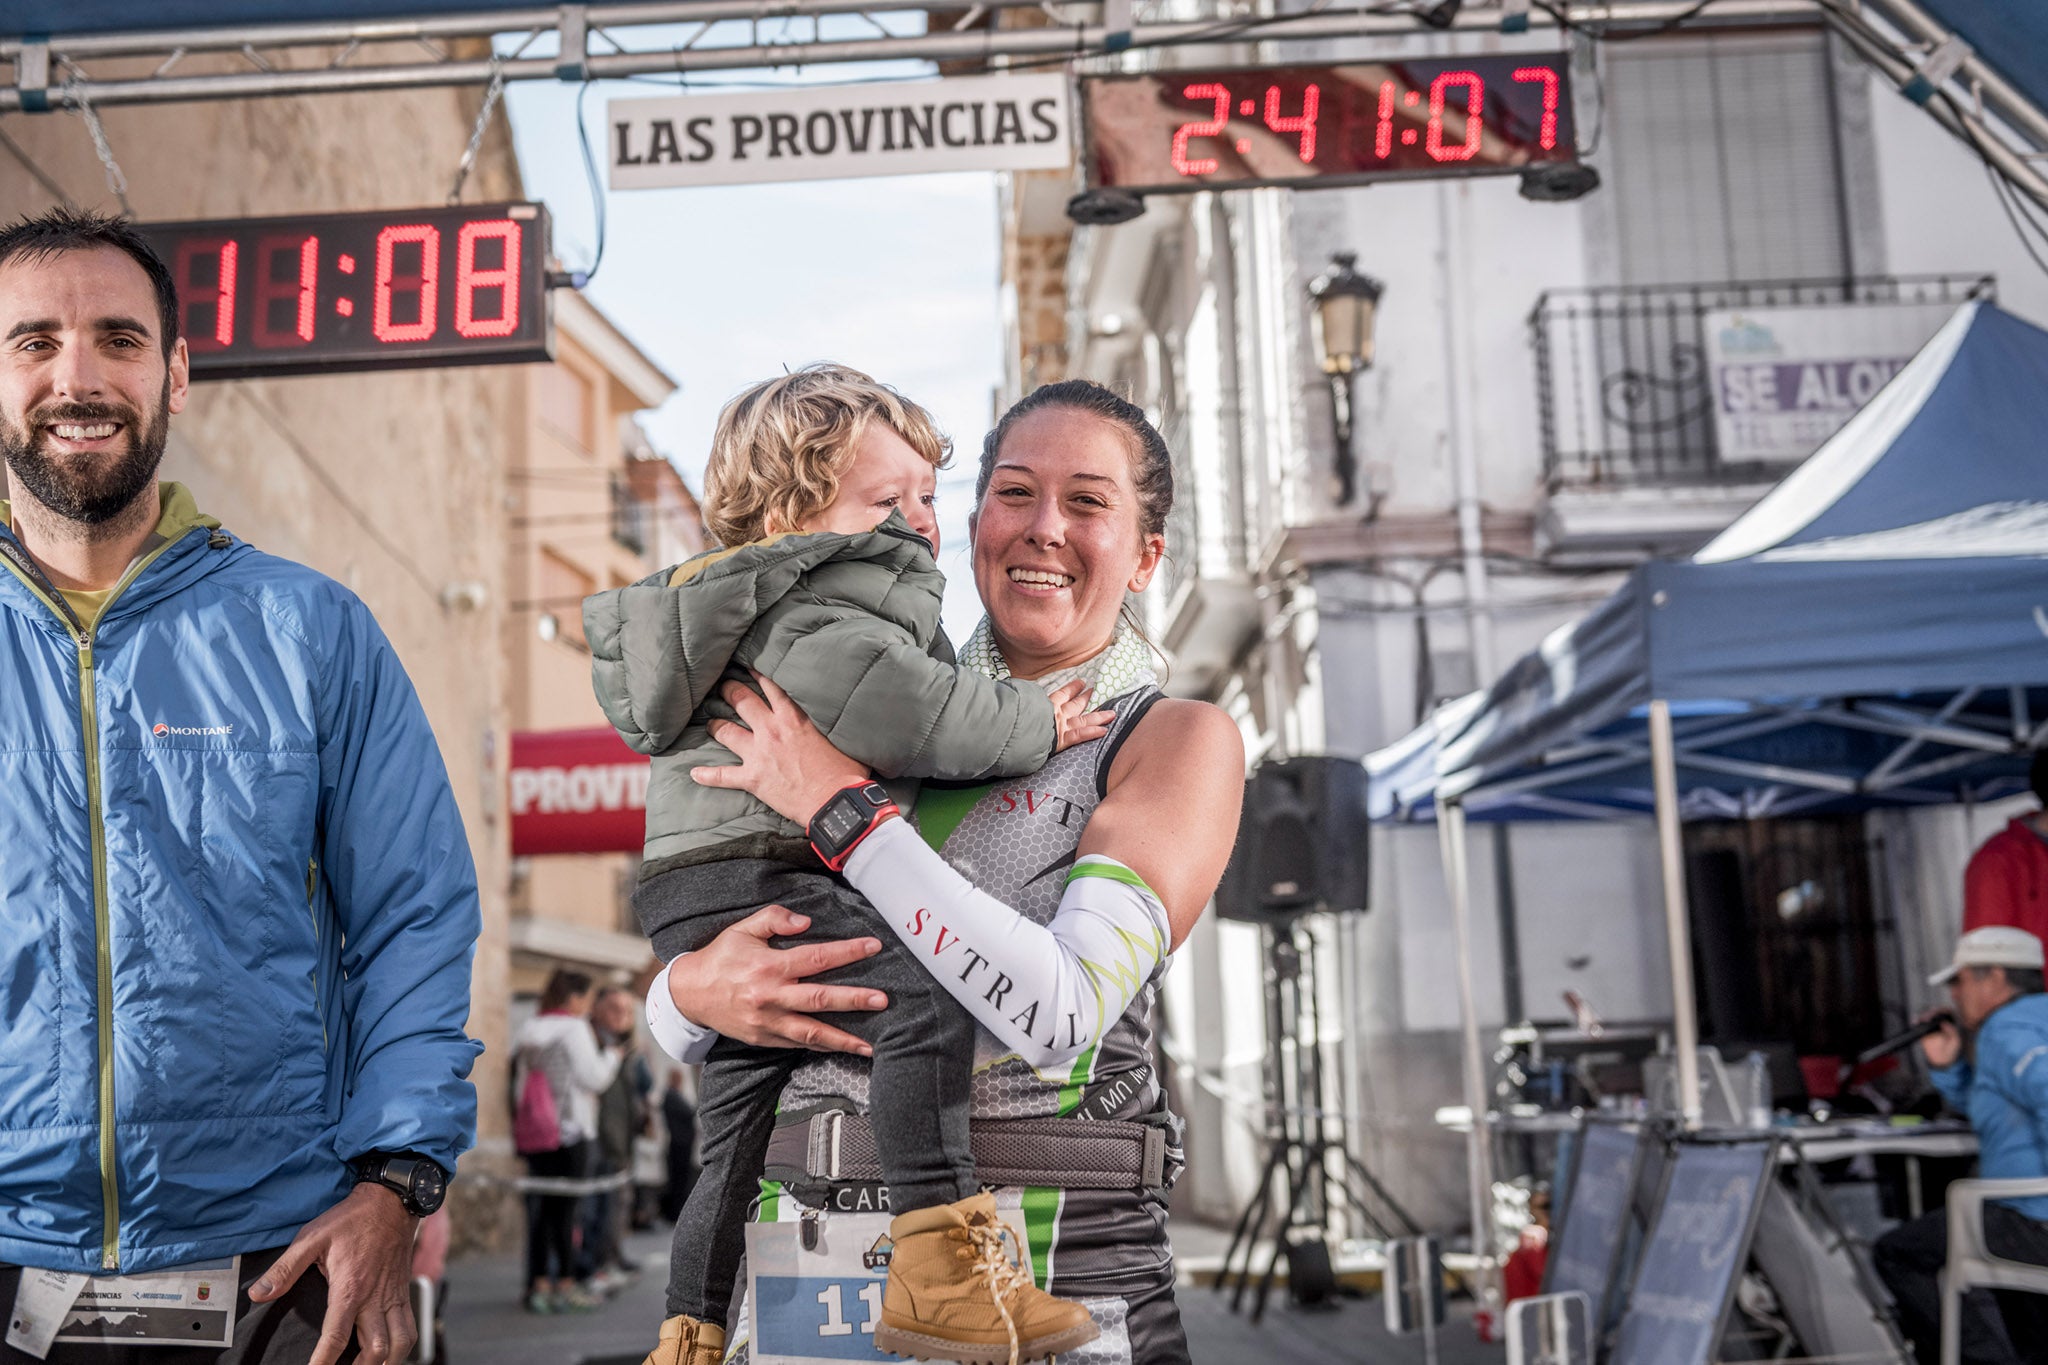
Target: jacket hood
{"points": [[172, 558], [660, 646]]}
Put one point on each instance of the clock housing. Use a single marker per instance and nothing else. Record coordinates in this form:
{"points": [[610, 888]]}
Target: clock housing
{"points": [[337, 292], [1326, 124]]}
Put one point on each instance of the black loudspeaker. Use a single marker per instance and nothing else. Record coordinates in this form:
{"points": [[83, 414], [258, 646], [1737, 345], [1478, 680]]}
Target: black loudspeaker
{"points": [[1301, 844], [1311, 1279]]}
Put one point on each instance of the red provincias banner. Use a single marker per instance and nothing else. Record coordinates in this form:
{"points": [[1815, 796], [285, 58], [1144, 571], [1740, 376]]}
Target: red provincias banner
{"points": [[577, 791]]}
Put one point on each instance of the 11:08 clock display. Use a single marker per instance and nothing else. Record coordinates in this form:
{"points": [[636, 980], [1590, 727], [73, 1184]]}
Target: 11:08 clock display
{"points": [[360, 291], [1342, 123]]}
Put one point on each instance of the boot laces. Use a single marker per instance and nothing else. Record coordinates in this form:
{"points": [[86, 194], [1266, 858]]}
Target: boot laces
{"points": [[998, 1259]]}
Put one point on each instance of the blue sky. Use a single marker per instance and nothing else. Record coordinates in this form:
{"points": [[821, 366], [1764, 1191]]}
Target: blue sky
{"points": [[726, 285]]}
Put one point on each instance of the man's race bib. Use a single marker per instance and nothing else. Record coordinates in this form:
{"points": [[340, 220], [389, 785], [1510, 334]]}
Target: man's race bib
{"points": [[41, 1302], [187, 1305], [814, 1286]]}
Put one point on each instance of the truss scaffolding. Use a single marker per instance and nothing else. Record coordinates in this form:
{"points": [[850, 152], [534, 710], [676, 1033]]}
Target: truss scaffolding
{"points": [[1928, 63], [1957, 734]]}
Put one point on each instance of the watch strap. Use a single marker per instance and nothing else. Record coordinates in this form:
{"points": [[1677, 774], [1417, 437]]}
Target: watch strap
{"points": [[375, 1168], [866, 798]]}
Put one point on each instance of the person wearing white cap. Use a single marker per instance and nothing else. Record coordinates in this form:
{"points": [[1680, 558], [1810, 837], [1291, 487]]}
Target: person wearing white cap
{"points": [[1990, 1062]]}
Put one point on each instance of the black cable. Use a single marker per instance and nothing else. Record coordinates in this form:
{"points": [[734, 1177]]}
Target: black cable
{"points": [[1609, 34], [579, 279], [2023, 204], [2010, 197], [2003, 191]]}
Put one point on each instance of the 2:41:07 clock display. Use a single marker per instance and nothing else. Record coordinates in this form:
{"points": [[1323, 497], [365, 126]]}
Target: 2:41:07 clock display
{"points": [[1344, 123]]}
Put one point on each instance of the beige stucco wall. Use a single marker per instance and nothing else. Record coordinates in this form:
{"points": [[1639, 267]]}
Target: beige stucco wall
{"points": [[560, 497], [393, 483]]}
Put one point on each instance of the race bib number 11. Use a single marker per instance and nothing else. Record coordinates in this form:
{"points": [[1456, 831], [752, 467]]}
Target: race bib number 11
{"points": [[809, 1304]]}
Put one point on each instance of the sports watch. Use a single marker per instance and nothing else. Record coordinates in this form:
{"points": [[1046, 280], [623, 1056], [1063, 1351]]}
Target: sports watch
{"points": [[419, 1183], [849, 817]]}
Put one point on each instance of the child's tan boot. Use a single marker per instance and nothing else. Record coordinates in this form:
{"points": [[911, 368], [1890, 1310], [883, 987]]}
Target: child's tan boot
{"points": [[956, 1293], [686, 1341]]}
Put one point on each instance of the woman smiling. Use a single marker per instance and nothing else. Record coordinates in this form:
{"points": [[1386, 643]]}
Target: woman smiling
{"points": [[1046, 905]]}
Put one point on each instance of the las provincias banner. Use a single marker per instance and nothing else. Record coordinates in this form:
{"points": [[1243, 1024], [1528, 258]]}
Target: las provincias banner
{"points": [[577, 791], [830, 132]]}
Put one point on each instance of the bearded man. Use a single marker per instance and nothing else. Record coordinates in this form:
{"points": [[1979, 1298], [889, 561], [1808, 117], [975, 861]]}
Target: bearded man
{"points": [[237, 907]]}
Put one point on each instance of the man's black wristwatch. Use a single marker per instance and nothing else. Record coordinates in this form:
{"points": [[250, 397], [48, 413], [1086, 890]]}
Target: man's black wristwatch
{"points": [[849, 817], [420, 1184]]}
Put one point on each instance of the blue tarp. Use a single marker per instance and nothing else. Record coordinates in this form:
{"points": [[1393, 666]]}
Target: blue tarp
{"points": [[1893, 591], [2011, 36]]}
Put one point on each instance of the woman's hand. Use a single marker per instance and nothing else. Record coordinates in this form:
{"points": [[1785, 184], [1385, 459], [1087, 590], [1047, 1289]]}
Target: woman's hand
{"points": [[784, 760], [747, 989]]}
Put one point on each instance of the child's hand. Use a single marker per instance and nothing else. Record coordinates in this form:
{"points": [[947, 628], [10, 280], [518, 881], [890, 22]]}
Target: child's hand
{"points": [[1077, 724]]}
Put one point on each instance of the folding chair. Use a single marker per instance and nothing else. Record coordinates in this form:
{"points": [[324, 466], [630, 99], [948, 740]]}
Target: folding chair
{"points": [[1971, 1264]]}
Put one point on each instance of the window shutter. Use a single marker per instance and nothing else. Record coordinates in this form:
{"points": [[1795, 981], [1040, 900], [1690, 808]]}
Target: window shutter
{"points": [[1724, 159]]}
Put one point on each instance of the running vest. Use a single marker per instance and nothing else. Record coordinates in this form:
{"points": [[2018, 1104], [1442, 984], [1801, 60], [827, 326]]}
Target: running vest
{"points": [[1015, 839]]}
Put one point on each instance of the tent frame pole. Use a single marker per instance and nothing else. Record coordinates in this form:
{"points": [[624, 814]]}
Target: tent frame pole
{"points": [[1677, 919], [1479, 1145]]}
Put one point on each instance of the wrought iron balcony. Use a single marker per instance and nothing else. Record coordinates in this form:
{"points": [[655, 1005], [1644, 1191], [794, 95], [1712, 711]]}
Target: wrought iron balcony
{"points": [[1624, 388]]}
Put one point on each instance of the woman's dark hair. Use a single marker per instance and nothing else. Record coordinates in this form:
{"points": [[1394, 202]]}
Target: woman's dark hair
{"points": [[563, 987], [1151, 462], [2037, 772], [61, 230], [2025, 980]]}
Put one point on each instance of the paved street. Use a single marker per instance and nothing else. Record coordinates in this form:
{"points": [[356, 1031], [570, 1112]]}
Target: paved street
{"points": [[487, 1325]]}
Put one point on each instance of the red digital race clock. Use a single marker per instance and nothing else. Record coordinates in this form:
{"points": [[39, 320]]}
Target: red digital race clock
{"points": [[1349, 123], [361, 291]]}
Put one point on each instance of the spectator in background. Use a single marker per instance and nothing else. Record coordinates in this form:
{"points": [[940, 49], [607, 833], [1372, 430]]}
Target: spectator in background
{"points": [[679, 1116], [621, 1113], [2007, 880], [1987, 1064], [1522, 1275], [560, 1044]]}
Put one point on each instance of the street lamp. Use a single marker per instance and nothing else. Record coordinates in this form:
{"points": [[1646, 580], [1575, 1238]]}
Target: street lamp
{"points": [[1345, 304]]}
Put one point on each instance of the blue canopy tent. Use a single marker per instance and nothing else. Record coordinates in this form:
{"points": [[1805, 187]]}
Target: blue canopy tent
{"points": [[1867, 634], [1873, 632]]}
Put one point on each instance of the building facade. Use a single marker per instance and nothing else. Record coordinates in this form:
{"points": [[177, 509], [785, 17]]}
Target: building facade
{"points": [[388, 482], [590, 506], [471, 508], [1537, 420]]}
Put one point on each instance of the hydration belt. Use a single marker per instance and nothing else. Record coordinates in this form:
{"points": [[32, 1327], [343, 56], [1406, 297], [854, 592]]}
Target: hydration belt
{"points": [[836, 1145]]}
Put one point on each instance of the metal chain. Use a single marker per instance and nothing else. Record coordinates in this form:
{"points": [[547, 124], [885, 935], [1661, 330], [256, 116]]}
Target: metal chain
{"points": [[492, 91], [74, 89]]}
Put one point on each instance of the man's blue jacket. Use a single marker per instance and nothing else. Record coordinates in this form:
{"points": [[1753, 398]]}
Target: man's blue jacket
{"points": [[237, 908], [2004, 1090]]}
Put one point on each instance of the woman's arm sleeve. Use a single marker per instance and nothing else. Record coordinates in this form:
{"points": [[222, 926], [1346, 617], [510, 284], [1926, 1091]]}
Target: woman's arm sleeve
{"points": [[679, 1036], [593, 1066], [1049, 991]]}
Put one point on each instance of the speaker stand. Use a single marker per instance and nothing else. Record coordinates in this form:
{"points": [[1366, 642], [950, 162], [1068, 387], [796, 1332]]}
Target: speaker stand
{"points": [[1302, 1138]]}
